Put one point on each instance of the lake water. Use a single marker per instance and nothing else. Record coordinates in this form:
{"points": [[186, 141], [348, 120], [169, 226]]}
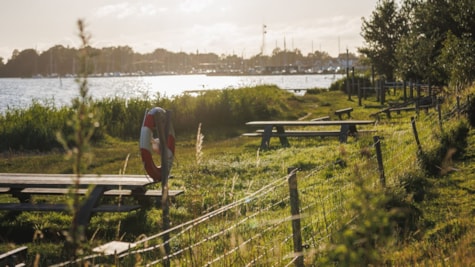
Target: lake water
{"points": [[19, 93]]}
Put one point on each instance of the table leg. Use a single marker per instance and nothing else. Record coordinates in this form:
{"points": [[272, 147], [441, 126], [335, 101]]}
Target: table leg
{"points": [[283, 139], [266, 135], [345, 128], [85, 212]]}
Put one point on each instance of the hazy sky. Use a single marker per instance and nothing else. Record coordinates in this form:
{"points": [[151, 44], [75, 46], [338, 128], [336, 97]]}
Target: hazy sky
{"points": [[219, 26]]}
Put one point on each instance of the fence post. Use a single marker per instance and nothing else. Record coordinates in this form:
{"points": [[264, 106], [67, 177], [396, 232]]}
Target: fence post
{"points": [[165, 201], [458, 106], [379, 156], [439, 113], [359, 92], [414, 129], [294, 210]]}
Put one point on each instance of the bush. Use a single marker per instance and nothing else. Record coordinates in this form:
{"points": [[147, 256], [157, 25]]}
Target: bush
{"points": [[35, 128], [453, 144]]}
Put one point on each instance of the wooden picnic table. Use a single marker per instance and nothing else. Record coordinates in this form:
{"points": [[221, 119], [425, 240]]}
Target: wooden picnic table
{"points": [[23, 185], [347, 127]]}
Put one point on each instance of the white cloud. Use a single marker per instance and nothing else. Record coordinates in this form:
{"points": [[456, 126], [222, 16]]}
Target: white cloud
{"points": [[126, 10]]}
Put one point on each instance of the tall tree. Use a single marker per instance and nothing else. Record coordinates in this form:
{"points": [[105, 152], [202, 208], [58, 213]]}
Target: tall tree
{"points": [[439, 44], [381, 33]]}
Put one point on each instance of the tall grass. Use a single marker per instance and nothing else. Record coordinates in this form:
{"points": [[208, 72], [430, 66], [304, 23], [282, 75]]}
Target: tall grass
{"points": [[222, 110]]}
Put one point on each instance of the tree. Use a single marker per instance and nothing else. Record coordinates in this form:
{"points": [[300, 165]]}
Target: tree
{"points": [[382, 33], [439, 42]]}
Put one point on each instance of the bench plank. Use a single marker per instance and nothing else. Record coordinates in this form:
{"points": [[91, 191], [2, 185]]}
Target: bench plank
{"points": [[112, 192], [339, 112], [260, 133], [63, 207], [12, 252]]}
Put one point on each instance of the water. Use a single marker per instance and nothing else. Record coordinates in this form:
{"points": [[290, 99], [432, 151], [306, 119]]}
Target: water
{"points": [[19, 93]]}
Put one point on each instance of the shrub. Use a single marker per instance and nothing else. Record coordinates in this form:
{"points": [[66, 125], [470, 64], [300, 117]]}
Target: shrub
{"points": [[453, 144]]}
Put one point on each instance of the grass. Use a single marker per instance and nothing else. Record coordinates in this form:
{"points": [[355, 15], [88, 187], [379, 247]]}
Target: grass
{"points": [[232, 168]]}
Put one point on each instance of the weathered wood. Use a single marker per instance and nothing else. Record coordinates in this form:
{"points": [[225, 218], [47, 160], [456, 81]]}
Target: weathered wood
{"points": [[295, 212], [310, 123], [45, 207], [23, 180], [14, 257], [340, 112], [112, 192], [114, 248], [4, 189]]}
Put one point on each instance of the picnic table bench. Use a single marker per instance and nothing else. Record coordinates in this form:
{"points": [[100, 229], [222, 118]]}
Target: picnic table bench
{"points": [[387, 111], [15, 257], [342, 111], [277, 129], [24, 185]]}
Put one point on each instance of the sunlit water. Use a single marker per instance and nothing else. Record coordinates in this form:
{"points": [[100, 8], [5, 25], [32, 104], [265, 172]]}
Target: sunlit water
{"points": [[20, 93]]}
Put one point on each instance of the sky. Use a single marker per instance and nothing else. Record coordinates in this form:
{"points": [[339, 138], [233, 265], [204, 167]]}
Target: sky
{"points": [[230, 27]]}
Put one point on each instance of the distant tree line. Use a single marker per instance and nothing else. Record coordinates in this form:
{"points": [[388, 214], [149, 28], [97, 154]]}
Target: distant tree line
{"points": [[426, 41], [120, 60]]}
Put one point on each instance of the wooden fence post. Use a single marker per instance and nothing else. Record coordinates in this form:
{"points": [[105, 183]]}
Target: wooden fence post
{"points": [[295, 211], [165, 173], [458, 106], [359, 93], [379, 156], [405, 91], [414, 129], [439, 113]]}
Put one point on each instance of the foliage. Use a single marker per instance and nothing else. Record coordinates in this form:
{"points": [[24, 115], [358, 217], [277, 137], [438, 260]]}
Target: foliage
{"points": [[458, 60], [35, 127], [381, 34], [471, 110], [358, 243], [430, 41], [436, 160]]}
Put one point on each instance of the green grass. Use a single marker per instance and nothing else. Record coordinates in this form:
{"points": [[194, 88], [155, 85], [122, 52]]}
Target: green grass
{"points": [[332, 179]]}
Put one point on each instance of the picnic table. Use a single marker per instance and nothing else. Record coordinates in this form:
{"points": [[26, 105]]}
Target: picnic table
{"points": [[24, 185], [278, 129]]}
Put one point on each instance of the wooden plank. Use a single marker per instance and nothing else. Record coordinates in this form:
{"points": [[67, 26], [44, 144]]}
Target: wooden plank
{"points": [[13, 252], [33, 207], [63, 207], [296, 134], [310, 123], [4, 189], [344, 110], [114, 248], [23, 180], [112, 192]]}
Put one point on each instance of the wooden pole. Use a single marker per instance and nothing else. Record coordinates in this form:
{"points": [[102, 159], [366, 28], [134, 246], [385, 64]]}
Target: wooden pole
{"points": [[165, 173], [439, 113], [359, 93], [416, 136], [379, 156], [295, 211]]}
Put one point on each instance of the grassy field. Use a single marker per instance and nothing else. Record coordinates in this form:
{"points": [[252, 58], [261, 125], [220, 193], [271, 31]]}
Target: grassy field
{"points": [[420, 219]]}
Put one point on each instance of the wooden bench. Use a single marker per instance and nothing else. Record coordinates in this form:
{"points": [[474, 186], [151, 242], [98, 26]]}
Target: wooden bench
{"points": [[23, 186], [398, 110], [340, 112], [347, 128], [15, 257]]}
